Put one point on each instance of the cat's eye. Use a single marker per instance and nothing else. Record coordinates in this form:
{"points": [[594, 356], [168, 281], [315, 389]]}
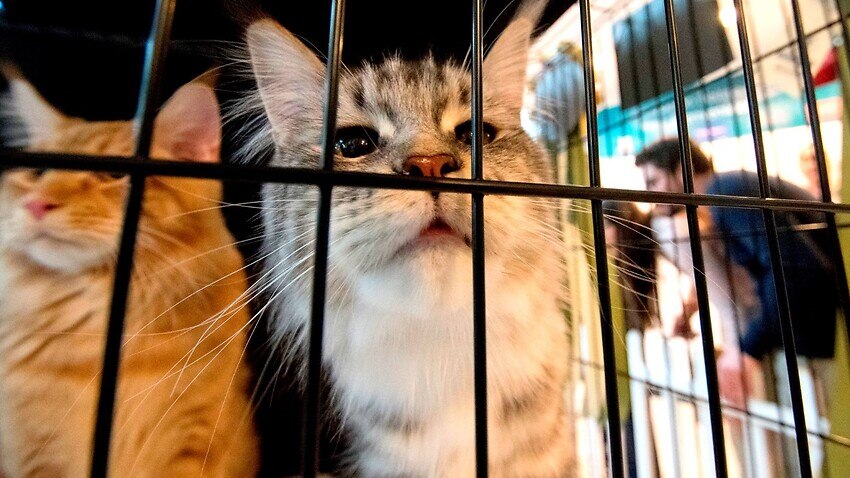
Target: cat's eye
{"points": [[37, 173], [112, 176], [355, 141], [463, 133]]}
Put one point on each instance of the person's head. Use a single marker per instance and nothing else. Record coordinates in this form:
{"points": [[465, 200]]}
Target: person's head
{"points": [[661, 165]]}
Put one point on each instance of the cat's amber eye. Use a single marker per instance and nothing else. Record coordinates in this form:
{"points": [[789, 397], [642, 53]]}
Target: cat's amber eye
{"points": [[463, 133], [355, 141]]}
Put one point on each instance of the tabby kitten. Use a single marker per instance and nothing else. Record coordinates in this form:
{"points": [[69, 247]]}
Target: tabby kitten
{"points": [[183, 406], [398, 345]]}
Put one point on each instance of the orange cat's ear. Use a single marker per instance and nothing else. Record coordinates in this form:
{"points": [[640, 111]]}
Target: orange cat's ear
{"points": [[189, 124], [24, 105]]}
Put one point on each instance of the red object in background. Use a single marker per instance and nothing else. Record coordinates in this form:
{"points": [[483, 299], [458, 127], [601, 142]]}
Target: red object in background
{"points": [[828, 70]]}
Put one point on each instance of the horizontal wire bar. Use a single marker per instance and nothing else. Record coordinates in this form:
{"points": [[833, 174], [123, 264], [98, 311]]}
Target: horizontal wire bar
{"points": [[267, 174]]}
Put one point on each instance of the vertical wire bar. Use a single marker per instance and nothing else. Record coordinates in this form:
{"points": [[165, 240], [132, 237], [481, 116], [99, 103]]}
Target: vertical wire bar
{"points": [[775, 255], [672, 414], [312, 399], [737, 133], [780, 447], [612, 396], [706, 332], [820, 157], [736, 128], [155, 51], [479, 319], [671, 410]]}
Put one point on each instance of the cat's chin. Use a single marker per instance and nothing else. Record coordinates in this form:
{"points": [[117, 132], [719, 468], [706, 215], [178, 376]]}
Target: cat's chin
{"points": [[431, 273], [65, 257]]}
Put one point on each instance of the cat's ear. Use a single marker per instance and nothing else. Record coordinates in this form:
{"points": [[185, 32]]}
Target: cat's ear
{"points": [[505, 64], [24, 105], [289, 76], [189, 124]]}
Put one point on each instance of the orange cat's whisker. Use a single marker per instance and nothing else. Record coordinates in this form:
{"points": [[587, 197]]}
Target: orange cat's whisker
{"points": [[242, 296]]}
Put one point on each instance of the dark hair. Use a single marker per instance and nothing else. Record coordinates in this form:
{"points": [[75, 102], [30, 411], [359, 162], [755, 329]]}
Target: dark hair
{"points": [[634, 255], [664, 154]]}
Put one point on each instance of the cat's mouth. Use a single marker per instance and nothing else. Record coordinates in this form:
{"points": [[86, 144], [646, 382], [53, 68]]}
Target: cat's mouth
{"points": [[440, 229], [45, 235]]}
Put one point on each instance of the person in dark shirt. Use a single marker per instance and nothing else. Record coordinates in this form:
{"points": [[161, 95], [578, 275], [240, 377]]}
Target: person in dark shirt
{"points": [[804, 244]]}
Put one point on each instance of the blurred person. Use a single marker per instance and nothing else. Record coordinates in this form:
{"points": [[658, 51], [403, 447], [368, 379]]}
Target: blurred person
{"points": [[810, 276]]}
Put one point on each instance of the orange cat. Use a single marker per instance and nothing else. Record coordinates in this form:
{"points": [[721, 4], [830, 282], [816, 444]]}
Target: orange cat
{"points": [[183, 406]]}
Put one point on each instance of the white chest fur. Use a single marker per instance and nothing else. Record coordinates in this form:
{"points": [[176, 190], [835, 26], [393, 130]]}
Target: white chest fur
{"points": [[416, 369]]}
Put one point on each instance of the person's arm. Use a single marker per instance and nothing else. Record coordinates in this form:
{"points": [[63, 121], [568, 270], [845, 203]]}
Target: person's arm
{"points": [[735, 371], [690, 303], [735, 367]]}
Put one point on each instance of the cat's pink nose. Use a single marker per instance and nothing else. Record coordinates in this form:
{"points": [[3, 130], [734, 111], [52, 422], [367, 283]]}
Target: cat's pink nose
{"points": [[39, 207], [435, 166]]}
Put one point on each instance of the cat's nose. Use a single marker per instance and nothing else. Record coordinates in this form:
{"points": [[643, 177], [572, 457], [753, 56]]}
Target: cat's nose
{"points": [[436, 166], [39, 207]]}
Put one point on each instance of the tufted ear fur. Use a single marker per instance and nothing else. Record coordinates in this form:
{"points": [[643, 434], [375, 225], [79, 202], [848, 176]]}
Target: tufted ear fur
{"points": [[23, 104], [505, 64], [189, 124], [290, 77]]}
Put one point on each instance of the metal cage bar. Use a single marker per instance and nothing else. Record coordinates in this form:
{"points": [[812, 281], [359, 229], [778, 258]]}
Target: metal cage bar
{"points": [[155, 51], [706, 332], [479, 307], [286, 175], [775, 254], [612, 397], [312, 399]]}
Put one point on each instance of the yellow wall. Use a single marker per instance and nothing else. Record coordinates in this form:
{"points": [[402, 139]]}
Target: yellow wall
{"points": [[838, 457]]}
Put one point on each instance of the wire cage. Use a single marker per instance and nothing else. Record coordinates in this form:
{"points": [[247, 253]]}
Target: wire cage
{"points": [[578, 133]]}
